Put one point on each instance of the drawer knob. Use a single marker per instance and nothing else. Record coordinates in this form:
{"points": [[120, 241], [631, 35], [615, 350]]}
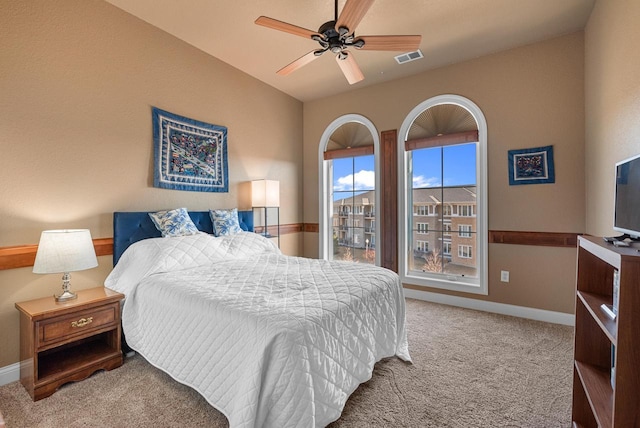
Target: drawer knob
{"points": [[82, 322]]}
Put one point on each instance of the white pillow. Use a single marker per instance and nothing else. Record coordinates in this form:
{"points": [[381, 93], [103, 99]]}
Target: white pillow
{"points": [[158, 255]]}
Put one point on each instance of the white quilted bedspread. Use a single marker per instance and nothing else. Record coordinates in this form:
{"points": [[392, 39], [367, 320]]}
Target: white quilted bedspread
{"points": [[269, 340]]}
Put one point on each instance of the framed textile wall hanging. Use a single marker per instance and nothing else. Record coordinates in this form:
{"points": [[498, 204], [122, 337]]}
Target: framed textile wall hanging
{"points": [[531, 166], [188, 154]]}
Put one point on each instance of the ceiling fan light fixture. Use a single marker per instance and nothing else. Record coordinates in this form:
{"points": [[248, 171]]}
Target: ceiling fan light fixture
{"points": [[328, 29], [339, 35]]}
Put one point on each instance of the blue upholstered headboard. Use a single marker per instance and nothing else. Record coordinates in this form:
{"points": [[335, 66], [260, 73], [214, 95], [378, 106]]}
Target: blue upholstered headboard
{"points": [[130, 227]]}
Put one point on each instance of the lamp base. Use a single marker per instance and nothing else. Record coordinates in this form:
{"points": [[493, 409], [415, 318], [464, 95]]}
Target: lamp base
{"points": [[66, 295]]}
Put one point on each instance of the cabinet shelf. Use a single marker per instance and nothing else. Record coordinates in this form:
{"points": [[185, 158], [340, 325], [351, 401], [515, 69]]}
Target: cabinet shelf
{"points": [[602, 397], [597, 386], [59, 362], [593, 302]]}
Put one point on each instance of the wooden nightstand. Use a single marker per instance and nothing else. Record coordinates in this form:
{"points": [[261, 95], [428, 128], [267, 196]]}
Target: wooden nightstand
{"points": [[68, 341]]}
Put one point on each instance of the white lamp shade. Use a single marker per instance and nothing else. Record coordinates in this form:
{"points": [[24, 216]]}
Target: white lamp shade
{"points": [[265, 193], [61, 251]]}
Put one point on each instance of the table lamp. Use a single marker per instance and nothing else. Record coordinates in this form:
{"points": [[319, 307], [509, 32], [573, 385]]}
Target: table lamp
{"points": [[265, 194], [64, 251]]}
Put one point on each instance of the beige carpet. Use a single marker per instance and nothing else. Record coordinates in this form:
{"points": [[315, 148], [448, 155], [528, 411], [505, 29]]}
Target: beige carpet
{"points": [[471, 369]]}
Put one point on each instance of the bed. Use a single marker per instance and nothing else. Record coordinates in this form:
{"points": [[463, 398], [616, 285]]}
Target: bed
{"points": [[269, 340]]}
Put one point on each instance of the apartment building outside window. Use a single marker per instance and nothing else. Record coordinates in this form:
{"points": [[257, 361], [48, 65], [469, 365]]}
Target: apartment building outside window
{"points": [[446, 228], [464, 230], [465, 251], [446, 248], [422, 246], [442, 145], [465, 210], [348, 201]]}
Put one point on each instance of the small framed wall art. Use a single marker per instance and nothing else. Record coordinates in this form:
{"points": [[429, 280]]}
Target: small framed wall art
{"points": [[188, 154], [531, 166]]}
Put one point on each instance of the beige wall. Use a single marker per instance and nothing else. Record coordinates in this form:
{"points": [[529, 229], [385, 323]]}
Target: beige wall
{"points": [[612, 93], [531, 96], [77, 82]]}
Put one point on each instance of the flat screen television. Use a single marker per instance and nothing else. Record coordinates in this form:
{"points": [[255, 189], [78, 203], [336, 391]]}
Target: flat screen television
{"points": [[626, 216]]}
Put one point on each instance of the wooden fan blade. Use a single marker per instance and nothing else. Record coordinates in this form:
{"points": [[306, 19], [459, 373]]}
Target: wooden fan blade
{"points": [[352, 13], [299, 63], [350, 68], [391, 43], [283, 26]]}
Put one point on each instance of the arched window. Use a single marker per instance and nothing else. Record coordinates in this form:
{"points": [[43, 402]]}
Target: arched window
{"points": [[442, 189], [349, 200]]}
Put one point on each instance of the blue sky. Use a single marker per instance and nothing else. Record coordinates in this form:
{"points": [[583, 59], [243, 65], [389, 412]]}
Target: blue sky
{"points": [[451, 165]]}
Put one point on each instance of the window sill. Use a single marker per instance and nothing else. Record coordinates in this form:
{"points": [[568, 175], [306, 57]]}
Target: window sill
{"points": [[451, 283]]}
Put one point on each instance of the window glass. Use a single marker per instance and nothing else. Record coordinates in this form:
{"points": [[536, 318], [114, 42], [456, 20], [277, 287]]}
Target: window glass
{"points": [[452, 187], [444, 237], [347, 161], [354, 199]]}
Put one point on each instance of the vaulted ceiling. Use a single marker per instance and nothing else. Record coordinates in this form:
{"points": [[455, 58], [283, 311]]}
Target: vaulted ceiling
{"points": [[452, 31]]}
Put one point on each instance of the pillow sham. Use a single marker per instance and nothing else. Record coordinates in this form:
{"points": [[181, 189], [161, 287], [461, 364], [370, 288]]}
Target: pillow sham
{"points": [[174, 223], [225, 222], [159, 255]]}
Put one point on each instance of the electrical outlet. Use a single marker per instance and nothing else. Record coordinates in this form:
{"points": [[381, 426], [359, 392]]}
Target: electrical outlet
{"points": [[504, 275]]}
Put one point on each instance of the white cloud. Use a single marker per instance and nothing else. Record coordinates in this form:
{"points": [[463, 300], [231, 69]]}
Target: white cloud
{"points": [[422, 181], [367, 180], [360, 180]]}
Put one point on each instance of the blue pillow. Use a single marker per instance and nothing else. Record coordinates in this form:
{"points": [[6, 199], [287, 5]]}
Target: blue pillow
{"points": [[225, 222], [174, 222]]}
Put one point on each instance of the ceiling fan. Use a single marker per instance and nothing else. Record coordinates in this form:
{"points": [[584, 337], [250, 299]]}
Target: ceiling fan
{"points": [[338, 35]]}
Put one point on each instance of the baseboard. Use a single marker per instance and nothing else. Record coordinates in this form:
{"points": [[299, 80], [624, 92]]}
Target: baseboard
{"points": [[10, 373], [498, 308]]}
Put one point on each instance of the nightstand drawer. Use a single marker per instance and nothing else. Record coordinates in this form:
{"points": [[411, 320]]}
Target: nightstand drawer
{"points": [[61, 328]]}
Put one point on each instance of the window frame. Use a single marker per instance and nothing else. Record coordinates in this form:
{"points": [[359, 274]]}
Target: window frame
{"points": [[422, 230], [464, 230], [465, 251], [405, 211], [325, 169], [445, 245], [424, 248]]}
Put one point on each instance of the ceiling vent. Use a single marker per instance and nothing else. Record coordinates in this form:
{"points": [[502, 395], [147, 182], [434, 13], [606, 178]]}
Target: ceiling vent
{"points": [[409, 56]]}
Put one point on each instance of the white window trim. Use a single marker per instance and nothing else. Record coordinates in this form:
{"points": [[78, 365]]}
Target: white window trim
{"points": [[326, 174], [448, 282], [461, 251], [464, 230], [422, 245], [446, 244]]}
